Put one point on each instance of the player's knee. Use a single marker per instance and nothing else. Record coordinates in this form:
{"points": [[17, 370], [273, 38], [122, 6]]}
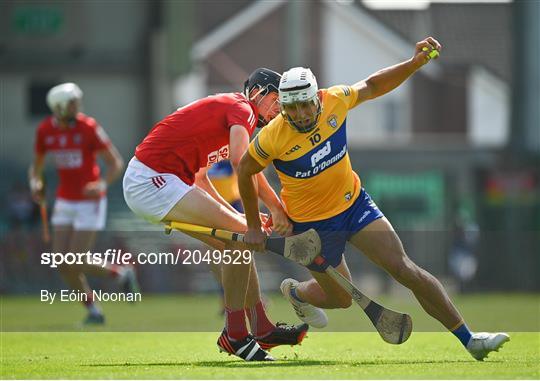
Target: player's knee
{"points": [[404, 271]]}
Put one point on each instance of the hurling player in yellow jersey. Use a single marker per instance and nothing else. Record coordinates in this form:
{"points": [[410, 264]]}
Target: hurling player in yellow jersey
{"points": [[307, 145]]}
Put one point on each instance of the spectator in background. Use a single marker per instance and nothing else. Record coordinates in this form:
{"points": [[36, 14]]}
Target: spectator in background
{"points": [[75, 139]]}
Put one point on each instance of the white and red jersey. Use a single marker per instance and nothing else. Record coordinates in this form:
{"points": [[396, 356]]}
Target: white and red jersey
{"points": [[196, 135], [74, 149]]}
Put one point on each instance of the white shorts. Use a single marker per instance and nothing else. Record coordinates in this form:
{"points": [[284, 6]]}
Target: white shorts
{"points": [[80, 215], [149, 194]]}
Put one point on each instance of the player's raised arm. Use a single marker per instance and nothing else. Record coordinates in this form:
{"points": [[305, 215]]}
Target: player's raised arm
{"points": [[387, 79]]}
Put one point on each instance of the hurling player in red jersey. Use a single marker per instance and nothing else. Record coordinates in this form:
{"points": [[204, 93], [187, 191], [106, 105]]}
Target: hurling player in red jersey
{"points": [[167, 181], [74, 140]]}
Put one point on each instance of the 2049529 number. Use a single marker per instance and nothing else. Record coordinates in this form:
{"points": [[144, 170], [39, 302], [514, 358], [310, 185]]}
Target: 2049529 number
{"points": [[217, 257]]}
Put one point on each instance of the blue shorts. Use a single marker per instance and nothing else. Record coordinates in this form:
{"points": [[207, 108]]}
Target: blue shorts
{"points": [[336, 231]]}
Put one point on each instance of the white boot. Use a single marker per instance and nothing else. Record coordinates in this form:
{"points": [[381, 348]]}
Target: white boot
{"points": [[309, 314], [482, 343]]}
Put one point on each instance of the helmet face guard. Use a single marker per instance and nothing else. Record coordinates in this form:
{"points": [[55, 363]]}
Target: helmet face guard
{"points": [[302, 116], [299, 99], [265, 91], [266, 81]]}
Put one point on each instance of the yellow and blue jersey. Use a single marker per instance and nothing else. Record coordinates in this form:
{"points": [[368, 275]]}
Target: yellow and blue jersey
{"points": [[224, 180], [314, 168]]}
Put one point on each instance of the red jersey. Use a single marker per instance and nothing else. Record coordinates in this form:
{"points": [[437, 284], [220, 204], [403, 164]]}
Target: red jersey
{"points": [[74, 150], [196, 135]]}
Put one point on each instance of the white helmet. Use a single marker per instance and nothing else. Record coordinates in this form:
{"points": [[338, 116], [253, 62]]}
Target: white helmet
{"points": [[59, 96], [298, 91]]}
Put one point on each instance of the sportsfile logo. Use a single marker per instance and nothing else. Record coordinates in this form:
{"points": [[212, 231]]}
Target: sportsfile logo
{"points": [[321, 154]]}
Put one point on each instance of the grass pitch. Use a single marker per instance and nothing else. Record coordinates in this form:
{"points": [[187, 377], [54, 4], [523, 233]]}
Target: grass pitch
{"points": [[93, 353], [195, 356]]}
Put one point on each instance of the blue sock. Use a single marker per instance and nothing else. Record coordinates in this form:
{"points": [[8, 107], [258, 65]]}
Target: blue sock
{"points": [[293, 294], [463, 334]]}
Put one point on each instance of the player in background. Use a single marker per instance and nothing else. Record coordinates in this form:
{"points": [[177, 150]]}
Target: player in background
{"points": [[307, 145], [167, 180], [225, 182], [75, 140]]}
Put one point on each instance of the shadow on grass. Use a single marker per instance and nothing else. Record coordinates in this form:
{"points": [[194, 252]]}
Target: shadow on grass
{"points": [[280, 363]]}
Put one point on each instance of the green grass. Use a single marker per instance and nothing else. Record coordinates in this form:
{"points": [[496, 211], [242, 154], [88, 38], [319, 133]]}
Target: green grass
{"points": [[491, 312], [94, 353], [194, 356]]}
